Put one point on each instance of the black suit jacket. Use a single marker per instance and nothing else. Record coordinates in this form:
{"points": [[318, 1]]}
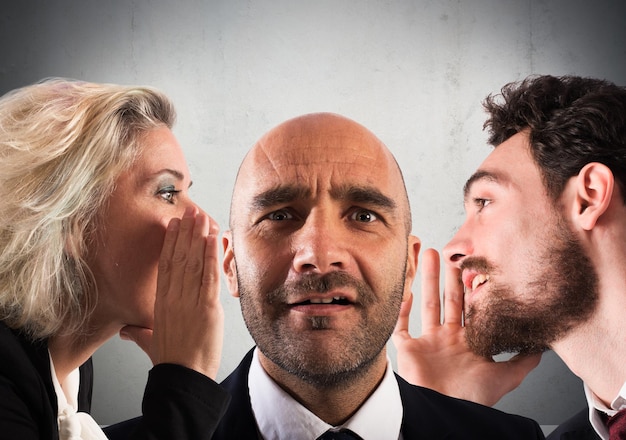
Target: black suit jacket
{"points": [[427, 415], [28, 403], [178, 403], [577, 427]]}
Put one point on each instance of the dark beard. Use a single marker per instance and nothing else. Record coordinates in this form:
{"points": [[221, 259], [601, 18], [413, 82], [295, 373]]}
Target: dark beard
{"points": [[563, 296], [292, 353]]}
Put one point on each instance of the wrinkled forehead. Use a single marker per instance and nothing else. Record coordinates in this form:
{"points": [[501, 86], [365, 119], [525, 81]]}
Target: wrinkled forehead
{"points": [[320, 152]]}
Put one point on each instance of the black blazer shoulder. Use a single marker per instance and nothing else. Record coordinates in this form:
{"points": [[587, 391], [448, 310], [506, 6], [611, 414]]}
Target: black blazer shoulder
{"points": [[28, 407], [238, 422], [577, 427], [427, 414], [29, 403]]}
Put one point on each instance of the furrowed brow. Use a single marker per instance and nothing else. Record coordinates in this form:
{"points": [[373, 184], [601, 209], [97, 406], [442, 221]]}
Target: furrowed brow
{"points": [[279, 195], [365, 195]]}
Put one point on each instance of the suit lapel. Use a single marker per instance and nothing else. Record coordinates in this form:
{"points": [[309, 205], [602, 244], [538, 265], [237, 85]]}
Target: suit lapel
{"points": [[419, 418], [238, 422]]}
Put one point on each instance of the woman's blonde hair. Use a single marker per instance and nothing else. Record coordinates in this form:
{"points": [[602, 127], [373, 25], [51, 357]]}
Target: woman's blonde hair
{"points": [[63, 144]]}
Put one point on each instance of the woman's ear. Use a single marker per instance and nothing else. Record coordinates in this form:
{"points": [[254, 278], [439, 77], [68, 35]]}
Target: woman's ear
{"points": [[411, 265], [594, 186], [228, 265]]}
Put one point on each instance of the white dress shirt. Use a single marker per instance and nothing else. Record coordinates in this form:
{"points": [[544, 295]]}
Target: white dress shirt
{"points": [[596, 408], [280, 416], [73, 425]]}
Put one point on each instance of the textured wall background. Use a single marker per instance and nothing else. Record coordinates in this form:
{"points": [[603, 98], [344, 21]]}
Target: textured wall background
{"points": [[413, 71]]}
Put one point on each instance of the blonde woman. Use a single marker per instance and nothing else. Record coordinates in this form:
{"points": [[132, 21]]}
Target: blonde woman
{"points": [[98, 236]]}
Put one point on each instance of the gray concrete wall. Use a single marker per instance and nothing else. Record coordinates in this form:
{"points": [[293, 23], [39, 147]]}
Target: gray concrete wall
{"points": [[413, 71]]}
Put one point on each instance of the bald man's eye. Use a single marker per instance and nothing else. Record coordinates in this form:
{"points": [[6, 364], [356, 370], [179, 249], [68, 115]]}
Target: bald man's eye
{"points": [[363, 216], [279, 215]]}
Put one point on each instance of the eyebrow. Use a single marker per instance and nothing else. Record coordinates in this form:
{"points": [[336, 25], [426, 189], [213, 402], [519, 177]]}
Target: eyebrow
{"points": [[364, 194], [279, 195], [356, 194], [481, 175], [177, 174]]}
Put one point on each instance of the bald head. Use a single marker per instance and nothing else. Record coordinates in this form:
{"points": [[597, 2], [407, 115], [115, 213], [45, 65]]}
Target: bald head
{"points": [[321, 148], [320, 210]]}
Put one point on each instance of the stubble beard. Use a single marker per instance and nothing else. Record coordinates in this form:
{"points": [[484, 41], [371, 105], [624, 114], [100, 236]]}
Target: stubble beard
{"points": [[352, 354], [563, 296]]}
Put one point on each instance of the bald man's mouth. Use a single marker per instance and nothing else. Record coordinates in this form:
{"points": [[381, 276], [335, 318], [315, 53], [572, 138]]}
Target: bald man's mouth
{"points": [[320, 305], [334, 300]]}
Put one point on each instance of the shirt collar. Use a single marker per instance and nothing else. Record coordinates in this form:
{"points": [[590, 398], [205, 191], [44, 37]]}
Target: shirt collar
{"points": [[71, 423], [597, 408], [280, 416]]}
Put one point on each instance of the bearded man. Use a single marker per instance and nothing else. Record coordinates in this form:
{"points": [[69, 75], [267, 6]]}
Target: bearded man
{"points": [[539, 261]]}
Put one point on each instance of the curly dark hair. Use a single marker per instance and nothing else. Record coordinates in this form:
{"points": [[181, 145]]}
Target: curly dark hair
{"points": [[571, 121]]}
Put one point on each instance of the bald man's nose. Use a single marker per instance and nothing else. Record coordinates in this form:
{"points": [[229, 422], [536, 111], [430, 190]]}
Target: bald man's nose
{"points": [[320, 245]]}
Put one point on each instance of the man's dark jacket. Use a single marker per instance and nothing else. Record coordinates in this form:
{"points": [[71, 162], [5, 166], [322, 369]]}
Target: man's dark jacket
{"points": [[577, 427], [427, 415]]}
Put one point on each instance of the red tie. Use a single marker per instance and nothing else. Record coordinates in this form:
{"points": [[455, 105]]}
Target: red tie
{"points": [[617, 426]]}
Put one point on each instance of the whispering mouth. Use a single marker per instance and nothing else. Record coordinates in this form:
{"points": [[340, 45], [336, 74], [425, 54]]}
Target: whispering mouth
{"points": [[479, 280]]}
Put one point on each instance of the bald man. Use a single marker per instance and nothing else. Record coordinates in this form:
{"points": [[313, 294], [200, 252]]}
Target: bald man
{"points": [[320, 254]]}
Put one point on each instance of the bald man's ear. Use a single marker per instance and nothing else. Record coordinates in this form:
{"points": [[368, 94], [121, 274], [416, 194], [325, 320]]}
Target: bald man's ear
{"points": [[411, 265], [229, 267], [593, 193]]}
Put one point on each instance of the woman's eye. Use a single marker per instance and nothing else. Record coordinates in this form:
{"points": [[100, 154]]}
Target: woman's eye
{"points": [[364, 216], [168, 194], [280, 215]]}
